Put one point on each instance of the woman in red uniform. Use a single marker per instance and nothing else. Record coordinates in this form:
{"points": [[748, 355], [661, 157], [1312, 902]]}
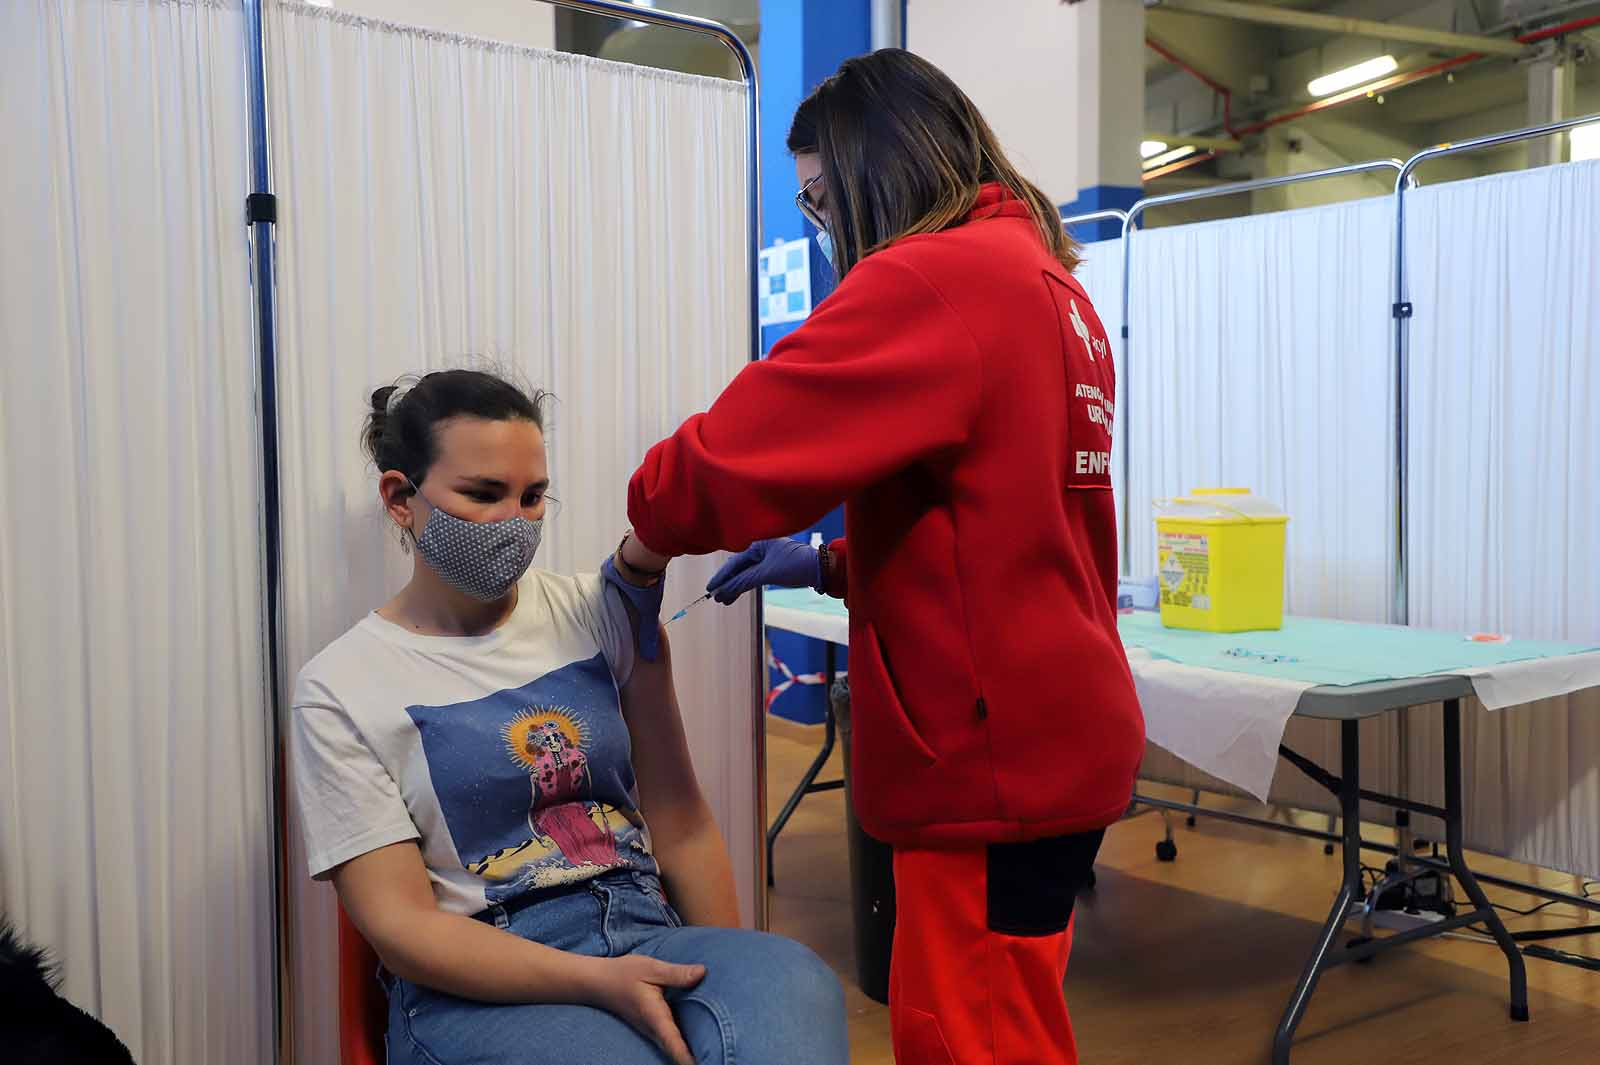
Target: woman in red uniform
{"points": [[956, 393]]}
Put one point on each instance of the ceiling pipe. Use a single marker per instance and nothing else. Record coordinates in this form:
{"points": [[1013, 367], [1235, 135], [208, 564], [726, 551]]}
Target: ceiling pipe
{"points": [[1211, 83], [1556, 31], [1394, 81], [1352, 27], [1556, 12]]}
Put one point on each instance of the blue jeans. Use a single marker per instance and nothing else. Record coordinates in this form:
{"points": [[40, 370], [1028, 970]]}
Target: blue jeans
{"points": [[765, 1000]]}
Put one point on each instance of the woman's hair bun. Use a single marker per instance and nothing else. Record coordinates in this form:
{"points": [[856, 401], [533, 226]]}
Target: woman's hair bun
{"points": [[398, 430]]}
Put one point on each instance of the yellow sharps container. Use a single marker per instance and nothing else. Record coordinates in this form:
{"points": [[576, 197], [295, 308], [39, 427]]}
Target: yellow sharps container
{"points": [[1220, 555]]}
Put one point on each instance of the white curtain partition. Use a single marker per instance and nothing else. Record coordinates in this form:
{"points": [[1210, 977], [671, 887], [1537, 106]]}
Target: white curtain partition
{"points": [[1505, 513], [1262, 356], [135, 828], [581, 224]]}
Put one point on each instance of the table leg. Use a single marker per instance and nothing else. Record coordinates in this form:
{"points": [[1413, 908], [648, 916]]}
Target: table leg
{"points": [[1349, 893], [1458, 861], [808, 783]]}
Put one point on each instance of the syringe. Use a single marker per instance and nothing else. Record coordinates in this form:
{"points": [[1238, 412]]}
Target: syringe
{"points": [[686, 609]]}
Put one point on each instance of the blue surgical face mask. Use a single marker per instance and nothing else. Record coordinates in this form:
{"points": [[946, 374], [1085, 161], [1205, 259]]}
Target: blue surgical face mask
{"points": [[483, 559], [825, 242]]}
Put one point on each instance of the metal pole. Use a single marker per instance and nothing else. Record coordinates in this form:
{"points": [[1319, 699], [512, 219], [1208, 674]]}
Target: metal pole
{"points": [[1455, 845], [1108, 215], [888, 26], [261, 216], [1129, 224], [1401, 603]]}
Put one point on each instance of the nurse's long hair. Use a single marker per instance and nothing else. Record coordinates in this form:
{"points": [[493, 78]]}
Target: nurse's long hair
{"points": [[904, 151]]}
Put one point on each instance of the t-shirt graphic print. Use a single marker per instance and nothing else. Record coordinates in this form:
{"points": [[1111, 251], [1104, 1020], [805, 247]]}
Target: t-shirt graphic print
{"points": [[536, 783], [504, 756]]}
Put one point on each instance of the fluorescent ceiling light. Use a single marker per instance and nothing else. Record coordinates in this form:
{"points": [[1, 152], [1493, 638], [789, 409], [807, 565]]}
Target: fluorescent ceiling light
{"points": [[1585, 142], [1173, 156], [1359, 74], [1149, 148]]}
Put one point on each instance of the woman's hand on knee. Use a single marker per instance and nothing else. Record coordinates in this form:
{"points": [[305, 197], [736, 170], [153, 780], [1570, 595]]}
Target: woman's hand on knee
{"points": [[634, 988]]}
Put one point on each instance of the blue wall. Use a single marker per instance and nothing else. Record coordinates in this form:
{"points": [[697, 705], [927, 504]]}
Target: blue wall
{"points": [[801, 45]]}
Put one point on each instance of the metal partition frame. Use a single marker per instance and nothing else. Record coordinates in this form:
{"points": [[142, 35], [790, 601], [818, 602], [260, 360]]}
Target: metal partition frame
{"points": [[1129, 224], [261, 217], [1110, 214], [1402, 310]]}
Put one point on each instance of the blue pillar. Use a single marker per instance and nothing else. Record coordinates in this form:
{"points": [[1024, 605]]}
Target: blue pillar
{"points": [[801, 44]]}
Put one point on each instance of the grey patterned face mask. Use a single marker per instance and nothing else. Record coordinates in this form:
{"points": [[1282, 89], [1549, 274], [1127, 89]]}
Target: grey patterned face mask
{"points": [[482, 559]]}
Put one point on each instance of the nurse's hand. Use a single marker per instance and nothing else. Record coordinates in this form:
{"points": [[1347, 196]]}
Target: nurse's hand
{"points": [[785, 563], [644, 603]]}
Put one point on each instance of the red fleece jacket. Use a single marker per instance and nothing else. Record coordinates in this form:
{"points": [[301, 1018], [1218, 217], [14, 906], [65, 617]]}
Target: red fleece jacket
{"points": [[956, 392]]}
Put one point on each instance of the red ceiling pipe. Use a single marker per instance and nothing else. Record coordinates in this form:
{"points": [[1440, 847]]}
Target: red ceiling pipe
{"points": [[1210, 83], [1556, 31], [1383, 85]]}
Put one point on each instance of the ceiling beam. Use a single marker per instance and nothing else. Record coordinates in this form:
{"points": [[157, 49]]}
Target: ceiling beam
{"points": [[1353, 27]]}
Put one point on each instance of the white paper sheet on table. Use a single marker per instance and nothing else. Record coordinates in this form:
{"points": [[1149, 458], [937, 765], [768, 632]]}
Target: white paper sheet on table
{"points": [[1228, 724], [1519, 683]]}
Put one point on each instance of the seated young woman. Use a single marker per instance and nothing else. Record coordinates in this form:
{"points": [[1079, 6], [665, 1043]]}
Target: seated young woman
{"points": [[500, 788]]}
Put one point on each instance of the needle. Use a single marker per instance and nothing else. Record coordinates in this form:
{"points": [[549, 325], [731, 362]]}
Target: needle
{"points": [[686, 609]]}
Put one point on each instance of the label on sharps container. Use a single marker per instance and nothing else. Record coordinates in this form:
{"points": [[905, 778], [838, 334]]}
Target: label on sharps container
{"points": [[1185, 568]]}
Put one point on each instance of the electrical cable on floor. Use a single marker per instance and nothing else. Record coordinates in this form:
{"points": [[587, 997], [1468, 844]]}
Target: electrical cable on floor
{"points": [[1528, 913], [1588, 893], [1474, 934]]}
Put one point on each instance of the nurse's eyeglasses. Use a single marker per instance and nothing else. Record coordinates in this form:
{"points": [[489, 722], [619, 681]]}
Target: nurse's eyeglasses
{"points": [[810, 210]]}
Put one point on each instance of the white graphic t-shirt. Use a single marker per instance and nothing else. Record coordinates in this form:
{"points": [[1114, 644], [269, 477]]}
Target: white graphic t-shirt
{"points": [[504, 755]]}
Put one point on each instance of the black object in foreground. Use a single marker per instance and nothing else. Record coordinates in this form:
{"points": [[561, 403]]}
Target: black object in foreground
{"points": [[37, 1025]]}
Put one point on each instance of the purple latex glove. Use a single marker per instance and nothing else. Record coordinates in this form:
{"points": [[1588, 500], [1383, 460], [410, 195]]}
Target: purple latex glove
{"points": [[646, 604], [786, 563]]}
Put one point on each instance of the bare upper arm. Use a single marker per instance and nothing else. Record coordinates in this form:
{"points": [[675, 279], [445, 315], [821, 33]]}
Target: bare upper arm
{"points": [[669, 792], [383, 889]]}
